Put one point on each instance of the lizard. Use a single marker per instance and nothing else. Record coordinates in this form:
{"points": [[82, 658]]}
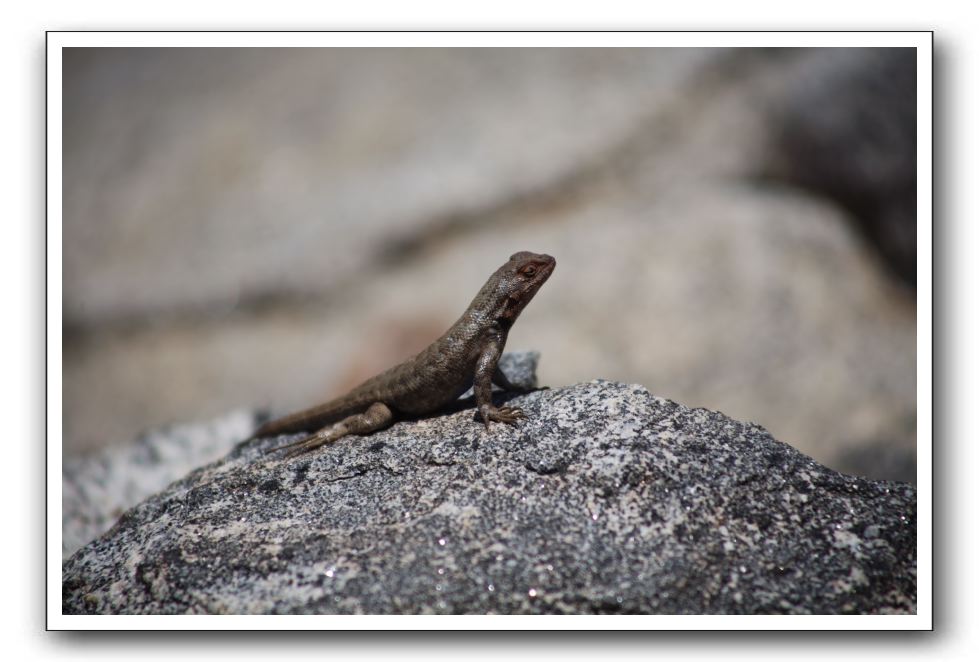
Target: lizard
{"points": [[465, 356]]}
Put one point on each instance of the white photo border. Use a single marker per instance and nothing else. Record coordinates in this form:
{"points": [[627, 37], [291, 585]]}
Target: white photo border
{"points": [[921, 40]]}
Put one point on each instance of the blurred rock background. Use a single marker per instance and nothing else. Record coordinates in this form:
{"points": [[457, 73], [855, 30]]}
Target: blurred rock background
{"points": [[734, 228]]}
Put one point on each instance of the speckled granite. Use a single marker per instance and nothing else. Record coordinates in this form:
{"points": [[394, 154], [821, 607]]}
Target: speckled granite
{"points": [[606, 500], [97, 488]]}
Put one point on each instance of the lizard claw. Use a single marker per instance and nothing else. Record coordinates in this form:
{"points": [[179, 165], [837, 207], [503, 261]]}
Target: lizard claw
{"points": [[508, 415], [299, 447]]}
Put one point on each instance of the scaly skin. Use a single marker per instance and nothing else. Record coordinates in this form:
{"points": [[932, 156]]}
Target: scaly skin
{"points": [[466, 355]]}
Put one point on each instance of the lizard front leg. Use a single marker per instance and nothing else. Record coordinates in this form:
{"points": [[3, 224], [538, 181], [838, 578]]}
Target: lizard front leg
{"points": [[487, 372], [377, 416]]}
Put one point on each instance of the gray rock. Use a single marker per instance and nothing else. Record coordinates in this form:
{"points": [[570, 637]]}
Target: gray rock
{"points": [[846, 128], [606, 499], [519, 367], [97, 488]]}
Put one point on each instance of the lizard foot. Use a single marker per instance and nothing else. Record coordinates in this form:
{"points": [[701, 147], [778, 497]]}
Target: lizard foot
{"points": [[302, 446], [508, 415], [376, 417]]}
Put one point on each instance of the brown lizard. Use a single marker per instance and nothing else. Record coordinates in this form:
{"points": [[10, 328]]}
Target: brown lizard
{"points": [[465, 356]]}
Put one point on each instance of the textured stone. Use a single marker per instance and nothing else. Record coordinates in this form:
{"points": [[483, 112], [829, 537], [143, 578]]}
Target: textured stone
{"points": [[605, 500], [97, 488]]}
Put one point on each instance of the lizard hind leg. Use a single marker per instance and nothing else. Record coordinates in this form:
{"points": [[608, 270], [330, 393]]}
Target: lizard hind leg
{"points": [[377, 416]]}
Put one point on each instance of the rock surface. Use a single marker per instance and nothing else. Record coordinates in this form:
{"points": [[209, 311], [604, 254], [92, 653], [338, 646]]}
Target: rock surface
{"points": [[97, 488], [606, 499]]}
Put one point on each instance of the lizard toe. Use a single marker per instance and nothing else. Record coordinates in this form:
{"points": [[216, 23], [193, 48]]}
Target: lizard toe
{"points": [[509, 415]]}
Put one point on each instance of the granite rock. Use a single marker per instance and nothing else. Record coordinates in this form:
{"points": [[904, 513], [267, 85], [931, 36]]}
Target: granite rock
{"points": [[98, 487], [607, 499]]}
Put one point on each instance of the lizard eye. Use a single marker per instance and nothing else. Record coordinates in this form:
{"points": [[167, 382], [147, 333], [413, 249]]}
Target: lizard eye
{"points": [[529, 271]]}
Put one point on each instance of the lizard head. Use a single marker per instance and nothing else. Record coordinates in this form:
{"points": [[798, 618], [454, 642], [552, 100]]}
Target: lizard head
{"points": [[516, 282]]}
